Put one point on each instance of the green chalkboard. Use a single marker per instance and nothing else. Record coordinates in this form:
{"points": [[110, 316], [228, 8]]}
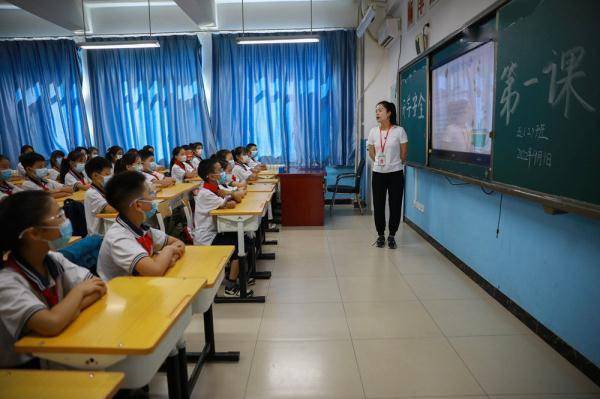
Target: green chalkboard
{"points": [[547, 105], [413, 110]]}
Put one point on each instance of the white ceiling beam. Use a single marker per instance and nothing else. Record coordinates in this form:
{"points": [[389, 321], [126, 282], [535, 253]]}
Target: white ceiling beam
{"points": [[202, 12], [64, 13]]}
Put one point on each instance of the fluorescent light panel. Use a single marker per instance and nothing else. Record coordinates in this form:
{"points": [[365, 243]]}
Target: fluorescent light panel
{"points": [[277, 39], [119, 44]]}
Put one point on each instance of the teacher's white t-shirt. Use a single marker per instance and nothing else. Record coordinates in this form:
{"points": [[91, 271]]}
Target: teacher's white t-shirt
{"points": [[395, 137]]}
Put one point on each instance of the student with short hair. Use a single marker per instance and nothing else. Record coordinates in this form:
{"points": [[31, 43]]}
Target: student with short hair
{"points": [[72, 170], [232, 181], [180, 168], [149, 170], [98, 169], [207, 199], [35, 177], [197, 150], [148, 148], [226, 182], [93, 152], [241, 170], [56, 158], [26, 149], [41, 292], [6, 173], [252, 153], [130, 247], [131, 161]]}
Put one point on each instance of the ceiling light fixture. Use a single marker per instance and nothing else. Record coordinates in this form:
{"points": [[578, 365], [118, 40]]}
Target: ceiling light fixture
{"points": [[278, 39], [118, 44]]}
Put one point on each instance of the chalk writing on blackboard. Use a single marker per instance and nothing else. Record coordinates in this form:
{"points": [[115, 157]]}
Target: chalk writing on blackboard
{"points": [[510, 97], [413, 106], [570, 61], [537, 132], [535, 158], [561, 88]]}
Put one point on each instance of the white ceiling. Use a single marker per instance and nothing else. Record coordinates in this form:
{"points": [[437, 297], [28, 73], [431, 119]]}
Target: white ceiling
{"points": [[103, 17]]}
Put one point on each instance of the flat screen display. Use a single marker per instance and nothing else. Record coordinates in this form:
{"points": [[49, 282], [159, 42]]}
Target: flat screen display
{"points": [[462, 103]]}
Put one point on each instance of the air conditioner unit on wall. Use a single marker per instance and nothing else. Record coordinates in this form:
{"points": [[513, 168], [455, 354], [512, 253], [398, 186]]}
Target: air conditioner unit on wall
{"points": [[388, 32]]}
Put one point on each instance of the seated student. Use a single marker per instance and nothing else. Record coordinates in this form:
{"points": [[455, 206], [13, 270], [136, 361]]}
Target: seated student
{"points": [[113, 154], [56, 159], [26, 149], [205, 232], [197, 149], [253, 163], [241, 170], [41, 292], [6, 173], [84, 152], [98, 169], [226, 155], [148, 148], [129, 246], [225, 180], [35, 177], [72, 171], [93, 152], [149, 169], [131, 161], [180, 168]]}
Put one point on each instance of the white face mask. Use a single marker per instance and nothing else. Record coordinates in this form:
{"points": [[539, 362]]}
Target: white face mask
{"points": [[245, 158], [182, 158], [199, 152]]}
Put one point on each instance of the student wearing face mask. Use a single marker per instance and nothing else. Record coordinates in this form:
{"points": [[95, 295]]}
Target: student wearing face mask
{"points": [[180, 168], [241, 170], [130, 247], [207, 199], [56, 158], [41, 292], [253, 163], [131, 161], [149, 170], [197, 152], [6, 173], [93, 152], [72, 171], [232, 181], [113, 154], [98, 169], [26, 149], [225, 181], [35, 177]]}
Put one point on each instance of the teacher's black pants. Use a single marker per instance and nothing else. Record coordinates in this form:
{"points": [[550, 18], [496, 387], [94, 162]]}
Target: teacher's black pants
{"points": [[391, 185]]}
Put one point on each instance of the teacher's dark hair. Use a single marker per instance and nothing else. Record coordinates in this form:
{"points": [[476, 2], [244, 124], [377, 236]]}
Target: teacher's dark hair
{"points": [[390, 107]]}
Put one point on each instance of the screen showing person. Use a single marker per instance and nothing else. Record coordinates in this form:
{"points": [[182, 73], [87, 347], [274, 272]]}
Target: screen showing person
{"points": [[462, 102]]}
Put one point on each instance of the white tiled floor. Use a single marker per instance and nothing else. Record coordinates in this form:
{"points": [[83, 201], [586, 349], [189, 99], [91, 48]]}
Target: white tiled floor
{"points": [[344, 319]]}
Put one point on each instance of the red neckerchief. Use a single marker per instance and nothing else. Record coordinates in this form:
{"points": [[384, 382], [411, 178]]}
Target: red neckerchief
{"points": [[232, 177], [152, 175], [146, 242], [78, 176], [212, 187], [181, 165], [50, 293], [6, 188], [39, 182]]}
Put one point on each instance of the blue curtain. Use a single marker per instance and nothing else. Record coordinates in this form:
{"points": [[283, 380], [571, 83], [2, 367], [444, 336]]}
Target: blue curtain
{"points": [[150, 96], [295, 101], [40, 97]]}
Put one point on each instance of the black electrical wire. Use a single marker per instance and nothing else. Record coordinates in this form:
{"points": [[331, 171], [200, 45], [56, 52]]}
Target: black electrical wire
{"points": [[487, 192], [455, 184], [499, 215]]}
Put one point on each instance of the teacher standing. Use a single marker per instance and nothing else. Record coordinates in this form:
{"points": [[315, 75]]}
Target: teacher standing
{"points": [[387, 145]]}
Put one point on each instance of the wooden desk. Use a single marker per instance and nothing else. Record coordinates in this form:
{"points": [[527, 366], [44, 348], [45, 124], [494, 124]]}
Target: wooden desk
{"points": [[246, 216], [78, 196], [261, 187], [267, 174], [176, 191], [50, 384], [207, 263], [302, 197], [132, 329], [265, 180], [193, 180]]}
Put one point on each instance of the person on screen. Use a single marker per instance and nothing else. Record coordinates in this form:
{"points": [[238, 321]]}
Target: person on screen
{"points": [[457, 136]]}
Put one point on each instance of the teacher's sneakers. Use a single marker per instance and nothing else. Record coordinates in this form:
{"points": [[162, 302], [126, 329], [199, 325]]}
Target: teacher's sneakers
{"points": [[392, 242], [380, 242]]}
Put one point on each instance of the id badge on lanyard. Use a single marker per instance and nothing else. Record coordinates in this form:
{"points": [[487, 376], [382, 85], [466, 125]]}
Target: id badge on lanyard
{"points": [[380, 157]]}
